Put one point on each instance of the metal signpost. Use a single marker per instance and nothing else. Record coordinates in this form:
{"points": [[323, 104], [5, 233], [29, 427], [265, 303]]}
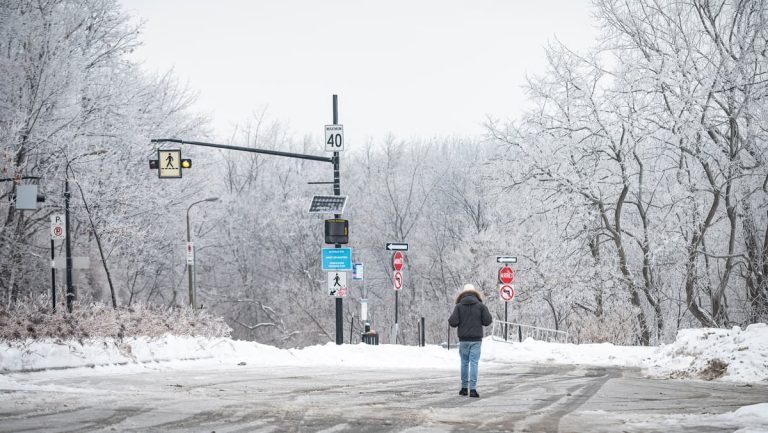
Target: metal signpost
{"points": [[398, 260], [68, 246], [335, 136], [191, 270], [57, 233], [358, 274], [506, 291]]}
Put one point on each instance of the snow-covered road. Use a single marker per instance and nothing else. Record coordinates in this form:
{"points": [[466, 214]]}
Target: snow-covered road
{"points": [[201, 396]]}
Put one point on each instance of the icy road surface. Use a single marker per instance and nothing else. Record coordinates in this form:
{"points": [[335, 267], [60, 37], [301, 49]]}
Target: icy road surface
{"points": [[195, 397]]}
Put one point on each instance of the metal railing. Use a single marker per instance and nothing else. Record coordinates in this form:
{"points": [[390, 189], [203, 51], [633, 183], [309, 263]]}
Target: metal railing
{"points": [[510, 332]]}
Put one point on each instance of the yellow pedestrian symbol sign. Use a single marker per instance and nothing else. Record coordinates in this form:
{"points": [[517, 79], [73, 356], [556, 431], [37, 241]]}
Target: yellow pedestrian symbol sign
{"points": [[169, 163]]}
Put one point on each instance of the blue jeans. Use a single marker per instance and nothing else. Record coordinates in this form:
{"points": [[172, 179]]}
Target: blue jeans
{"points": [[469, 351]]}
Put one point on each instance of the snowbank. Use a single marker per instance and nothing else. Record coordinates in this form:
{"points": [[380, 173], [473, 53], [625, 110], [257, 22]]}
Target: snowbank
{"points": [[539, 352], [734, 355], [33, 355], [731, 355]]}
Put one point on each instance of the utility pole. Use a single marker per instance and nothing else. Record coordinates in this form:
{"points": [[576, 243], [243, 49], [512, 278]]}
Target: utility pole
{"points": [[68, 247], [191, 270], [337, 192]]}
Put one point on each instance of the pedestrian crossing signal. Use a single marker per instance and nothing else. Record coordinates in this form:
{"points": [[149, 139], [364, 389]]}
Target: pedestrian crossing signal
{"points": [[154, 164], [336, 231]]}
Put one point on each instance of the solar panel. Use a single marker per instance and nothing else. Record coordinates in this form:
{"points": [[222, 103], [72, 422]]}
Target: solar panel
{"points": [[328, 204]]}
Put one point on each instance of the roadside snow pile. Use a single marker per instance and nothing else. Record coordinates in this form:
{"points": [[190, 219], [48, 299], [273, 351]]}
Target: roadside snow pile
{"points": [[34, 355], [734, 355], [540, 352]]}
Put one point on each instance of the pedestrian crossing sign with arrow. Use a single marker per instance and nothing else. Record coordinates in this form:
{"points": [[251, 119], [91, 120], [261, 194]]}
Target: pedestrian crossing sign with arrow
{"points": [[337, 284]]}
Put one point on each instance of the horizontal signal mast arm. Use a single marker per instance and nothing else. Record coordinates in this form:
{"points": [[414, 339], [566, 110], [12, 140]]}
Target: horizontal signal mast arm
{"points": [[245, 149]]}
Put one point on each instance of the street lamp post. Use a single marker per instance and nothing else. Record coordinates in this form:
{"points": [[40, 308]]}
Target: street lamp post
{"points": [[68, 233], [191, 265]]}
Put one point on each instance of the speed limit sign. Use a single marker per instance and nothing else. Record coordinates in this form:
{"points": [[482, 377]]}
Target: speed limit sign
{"points": [[334, 138]]}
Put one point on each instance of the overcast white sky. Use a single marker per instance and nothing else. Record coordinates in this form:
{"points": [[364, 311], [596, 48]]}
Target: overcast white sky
{"points": [[413, 68]]}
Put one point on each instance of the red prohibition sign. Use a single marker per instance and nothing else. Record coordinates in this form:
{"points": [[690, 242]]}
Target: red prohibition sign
{"points": [[507, 292], [397, 261], [398, 280]]}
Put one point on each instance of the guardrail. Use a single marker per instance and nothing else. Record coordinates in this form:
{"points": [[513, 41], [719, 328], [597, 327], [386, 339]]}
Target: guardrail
{"points": [[509, 332]]}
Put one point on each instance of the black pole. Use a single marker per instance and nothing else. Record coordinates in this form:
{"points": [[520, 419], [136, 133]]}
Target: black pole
{"points": [[337, 191], [506, 309], [423, 334], [68, 247], [53, 278], [418, 333], [397, 292], [351, 328], [449, 337]]}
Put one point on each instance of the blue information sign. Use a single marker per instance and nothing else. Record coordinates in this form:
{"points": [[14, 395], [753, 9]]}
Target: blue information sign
{"points": [[337, 259]]}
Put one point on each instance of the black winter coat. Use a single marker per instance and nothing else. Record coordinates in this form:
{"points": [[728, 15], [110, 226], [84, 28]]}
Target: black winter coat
{"points": [[470, 315]]}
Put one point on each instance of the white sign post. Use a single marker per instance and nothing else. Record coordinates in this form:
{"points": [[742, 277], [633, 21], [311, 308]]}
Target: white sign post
{"points": [[337, 284], [334, 138], [57, 227]]}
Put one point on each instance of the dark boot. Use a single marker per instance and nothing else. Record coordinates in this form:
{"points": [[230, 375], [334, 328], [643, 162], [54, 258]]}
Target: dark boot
{"points": [[463, 391], [473, 393]]}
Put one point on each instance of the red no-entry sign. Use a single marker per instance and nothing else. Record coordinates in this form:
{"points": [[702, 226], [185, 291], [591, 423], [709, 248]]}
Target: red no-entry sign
{"points": [[397, 261], [506, 275]]}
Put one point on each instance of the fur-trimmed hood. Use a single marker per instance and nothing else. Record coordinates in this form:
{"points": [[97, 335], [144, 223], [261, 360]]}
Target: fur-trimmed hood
{"points": [[469, 292]]}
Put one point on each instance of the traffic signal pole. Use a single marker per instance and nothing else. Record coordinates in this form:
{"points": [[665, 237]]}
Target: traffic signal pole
{"points": [[244, 149], [336, 187], [337, 192]]}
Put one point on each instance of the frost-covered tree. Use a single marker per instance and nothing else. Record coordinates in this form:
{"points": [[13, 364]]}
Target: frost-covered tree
{"points": [[656, 141], [72, 107]]}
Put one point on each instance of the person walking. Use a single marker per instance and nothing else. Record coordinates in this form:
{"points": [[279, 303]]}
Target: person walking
{"points": [[469, 316]]}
